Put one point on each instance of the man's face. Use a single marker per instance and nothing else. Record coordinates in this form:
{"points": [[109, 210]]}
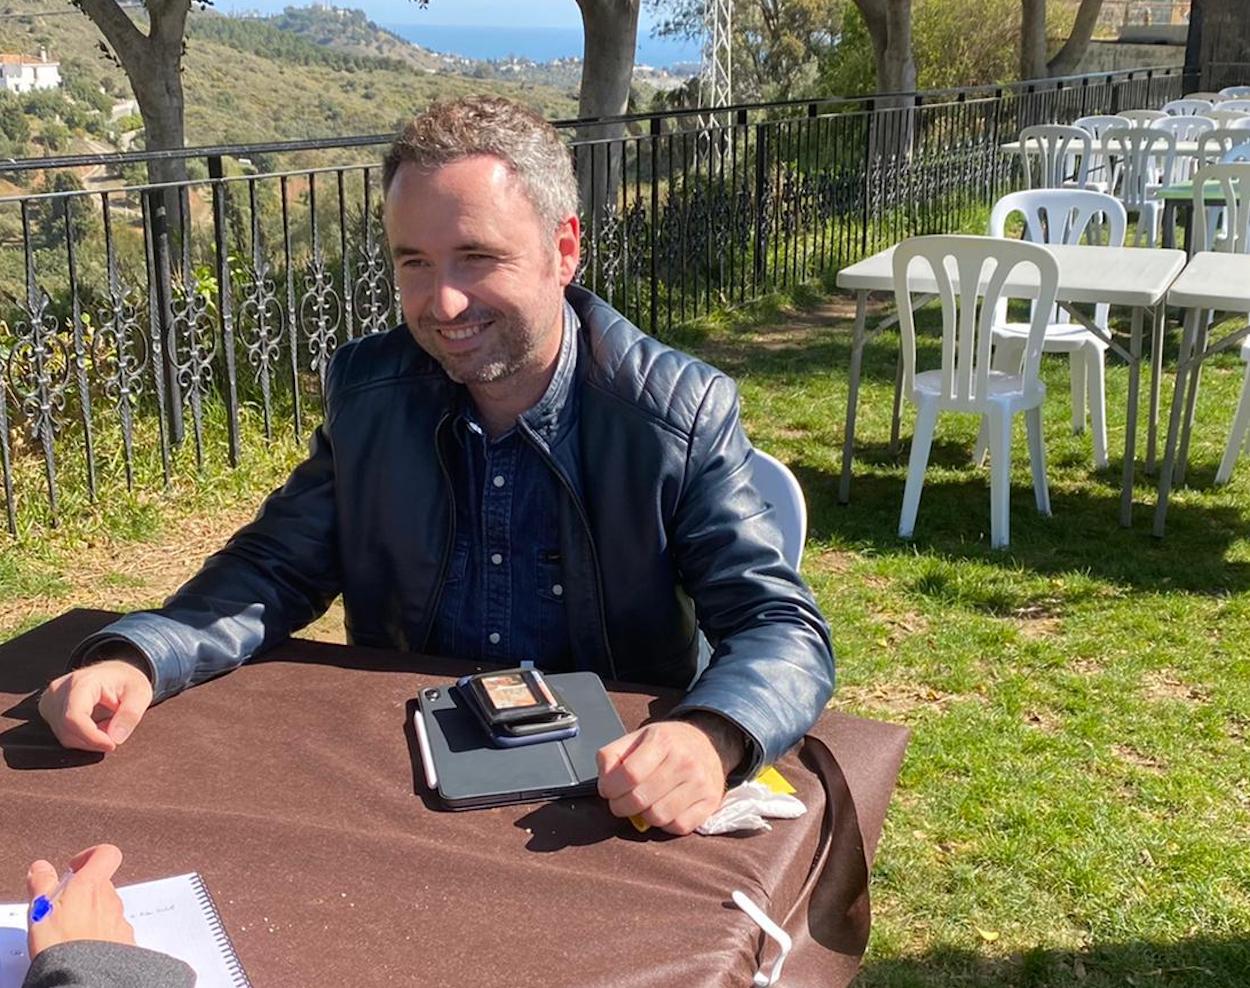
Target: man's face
{"points": [[481, 278]]}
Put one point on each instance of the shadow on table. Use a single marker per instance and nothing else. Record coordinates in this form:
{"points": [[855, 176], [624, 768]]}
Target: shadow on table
{"points": [[1082, 535], [1195, 963]]}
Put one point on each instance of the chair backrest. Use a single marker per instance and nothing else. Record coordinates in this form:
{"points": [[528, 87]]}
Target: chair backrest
{"points": [[1187, 106], [781, 490], [970, 274], [1236, 104], [1142, 118], [1062, 216], [1242, 123], [1223, 117], [1208, 96], [1185, 128], [1233, 181], [1215, 144], [1062, 155], [1146, 157], [1235, 92], [1097, 124], [1236, 155]]}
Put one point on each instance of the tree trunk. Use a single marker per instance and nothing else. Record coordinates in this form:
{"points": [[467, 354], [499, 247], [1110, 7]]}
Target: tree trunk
{"points": [[1224, 50], [889, 26], [610, 30], [1032, 39], [1069, 56]]}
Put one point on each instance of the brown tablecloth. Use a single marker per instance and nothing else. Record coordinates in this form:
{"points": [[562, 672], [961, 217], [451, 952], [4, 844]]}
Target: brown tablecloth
{"points": [[294, 787]]}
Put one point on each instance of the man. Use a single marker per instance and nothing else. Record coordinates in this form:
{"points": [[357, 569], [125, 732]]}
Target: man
{"points": [[517, 474]]}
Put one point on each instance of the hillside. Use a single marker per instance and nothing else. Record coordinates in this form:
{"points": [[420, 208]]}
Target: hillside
{"points": [[250, 81]]}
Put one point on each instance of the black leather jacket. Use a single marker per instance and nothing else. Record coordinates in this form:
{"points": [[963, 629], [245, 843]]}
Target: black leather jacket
{"points": [[659, 522]]}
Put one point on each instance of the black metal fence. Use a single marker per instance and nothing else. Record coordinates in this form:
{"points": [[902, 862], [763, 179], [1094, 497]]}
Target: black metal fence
{"points": [[136, 321]]}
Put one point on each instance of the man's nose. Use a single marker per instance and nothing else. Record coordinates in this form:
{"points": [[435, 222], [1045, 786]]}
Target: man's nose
{"points": [[448, 302]]}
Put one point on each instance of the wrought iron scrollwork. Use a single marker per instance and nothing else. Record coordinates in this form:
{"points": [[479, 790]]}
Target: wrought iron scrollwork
{"points": [[372, 291], [321, 313]]}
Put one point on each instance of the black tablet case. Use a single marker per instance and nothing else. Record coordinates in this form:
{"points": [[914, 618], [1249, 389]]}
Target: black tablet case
{"points": [[473, 775]]}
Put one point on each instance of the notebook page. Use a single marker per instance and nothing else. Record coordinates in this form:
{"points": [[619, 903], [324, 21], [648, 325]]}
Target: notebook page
{"points": [[172, 915]]}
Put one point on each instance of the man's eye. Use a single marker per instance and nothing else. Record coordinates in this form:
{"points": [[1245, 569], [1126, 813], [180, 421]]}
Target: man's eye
{"points": [[416, 262]]}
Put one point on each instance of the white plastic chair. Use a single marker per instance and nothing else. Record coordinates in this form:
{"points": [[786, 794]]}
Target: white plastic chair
{"points": [[1062, 155], [1189, 106], [1237, 155], [1236, 104], [1235, 92], [1233, 233], [1142, 118], [1215, 144], [779, 487], [1237, 436], [1210, 97], [1100, 176], [1062, 216], [1189, 128], [1145, 159], [965, 381], [1226, 118]]}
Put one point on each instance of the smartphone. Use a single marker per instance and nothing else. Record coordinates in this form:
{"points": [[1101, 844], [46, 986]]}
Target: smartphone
{"points": [[517, 707]]}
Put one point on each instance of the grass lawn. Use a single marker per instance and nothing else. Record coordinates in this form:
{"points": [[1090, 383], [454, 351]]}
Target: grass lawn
{"points": [[1075, 805]]}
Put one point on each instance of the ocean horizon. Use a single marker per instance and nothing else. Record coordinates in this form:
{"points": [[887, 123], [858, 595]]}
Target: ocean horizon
{"points": [[538, 44]]}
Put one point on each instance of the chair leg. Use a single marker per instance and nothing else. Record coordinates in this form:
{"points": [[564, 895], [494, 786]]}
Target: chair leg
{"points": [[1096, 375], [918, 462], [1000, 477], [1037, 459], [1007, 356], [1077, 372], [1237, 437]]}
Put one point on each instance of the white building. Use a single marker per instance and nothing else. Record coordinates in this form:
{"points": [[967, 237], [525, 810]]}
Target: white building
{"points": [[21, 73]]}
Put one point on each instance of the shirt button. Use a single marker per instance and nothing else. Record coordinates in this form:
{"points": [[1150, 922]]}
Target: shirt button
{"points": [[496, 558], [557, 589], [498, 481], [494, 637]]}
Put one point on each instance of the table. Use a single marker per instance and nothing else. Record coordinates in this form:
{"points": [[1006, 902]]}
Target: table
{"points": [[1181, 196], [1097, 147], [1136, 277], [294, 786], [1211, 282]]}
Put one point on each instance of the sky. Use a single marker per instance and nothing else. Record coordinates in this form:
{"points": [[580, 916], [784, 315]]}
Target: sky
{"points": [[492, 13]]}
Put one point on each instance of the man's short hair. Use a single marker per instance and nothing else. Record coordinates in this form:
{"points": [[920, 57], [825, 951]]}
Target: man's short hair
{"points": [[474, 125]]}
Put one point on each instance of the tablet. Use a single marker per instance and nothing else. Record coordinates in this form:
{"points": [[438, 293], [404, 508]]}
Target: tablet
{"points": [[468, 773]]}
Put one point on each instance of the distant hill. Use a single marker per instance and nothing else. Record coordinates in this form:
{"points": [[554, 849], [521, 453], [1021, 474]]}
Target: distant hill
{"points": [[307, 73]]}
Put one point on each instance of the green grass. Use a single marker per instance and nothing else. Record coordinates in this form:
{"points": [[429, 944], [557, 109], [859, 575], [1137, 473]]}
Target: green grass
{"points": [[1075, 802]]}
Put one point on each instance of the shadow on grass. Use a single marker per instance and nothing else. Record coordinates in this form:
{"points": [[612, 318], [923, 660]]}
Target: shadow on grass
{"points": [[1082, 535], [1199, 962]]}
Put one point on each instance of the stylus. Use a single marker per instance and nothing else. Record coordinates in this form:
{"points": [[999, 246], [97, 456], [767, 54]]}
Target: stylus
{"points": [[423, 742]]}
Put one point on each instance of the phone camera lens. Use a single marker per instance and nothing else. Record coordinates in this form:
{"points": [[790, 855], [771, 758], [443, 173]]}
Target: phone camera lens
{"points": [[431, 695]]}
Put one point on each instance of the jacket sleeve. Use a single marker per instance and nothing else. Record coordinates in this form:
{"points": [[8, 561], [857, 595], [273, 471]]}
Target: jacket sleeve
{"points": [[771, 669], [274, 576], [97, 964]]}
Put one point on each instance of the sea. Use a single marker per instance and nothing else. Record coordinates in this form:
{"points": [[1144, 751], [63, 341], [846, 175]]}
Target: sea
{"points": [[538, 44]]}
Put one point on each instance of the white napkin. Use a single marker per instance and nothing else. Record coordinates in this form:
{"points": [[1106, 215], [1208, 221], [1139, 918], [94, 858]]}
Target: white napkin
{"points": [[745, 807]]}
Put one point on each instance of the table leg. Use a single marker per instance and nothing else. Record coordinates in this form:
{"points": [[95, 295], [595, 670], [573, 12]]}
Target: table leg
{"points": [[1156, 377], [1174, 421], [1169, 223], [852, 396], [1191, 395], [896, 421], [1130, 431]]}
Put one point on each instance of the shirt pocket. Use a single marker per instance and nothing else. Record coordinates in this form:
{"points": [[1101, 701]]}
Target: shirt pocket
{"points": [[549, 576], [458, 564]]}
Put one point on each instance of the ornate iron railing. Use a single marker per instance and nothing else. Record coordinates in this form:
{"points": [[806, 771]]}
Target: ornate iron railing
{"points": [[135, 319]]}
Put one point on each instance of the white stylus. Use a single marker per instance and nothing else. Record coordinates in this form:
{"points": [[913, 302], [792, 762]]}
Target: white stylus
{"points": [[423, 742]]}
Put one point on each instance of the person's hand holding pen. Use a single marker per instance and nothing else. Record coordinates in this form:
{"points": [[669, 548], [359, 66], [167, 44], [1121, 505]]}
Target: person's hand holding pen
{"points": [[83, 906]]}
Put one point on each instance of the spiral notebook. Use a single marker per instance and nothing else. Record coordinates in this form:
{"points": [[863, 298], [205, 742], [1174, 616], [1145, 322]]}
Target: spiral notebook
{"points": [[176, 916]]}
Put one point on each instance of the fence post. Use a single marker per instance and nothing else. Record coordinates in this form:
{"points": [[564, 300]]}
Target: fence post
{"points": [[222, 247], [869, 123], [761, 179], [163, 277], [655, 130]]}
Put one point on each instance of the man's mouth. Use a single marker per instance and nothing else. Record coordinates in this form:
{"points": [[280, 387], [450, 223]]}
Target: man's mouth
{"points": [[462, 332]]}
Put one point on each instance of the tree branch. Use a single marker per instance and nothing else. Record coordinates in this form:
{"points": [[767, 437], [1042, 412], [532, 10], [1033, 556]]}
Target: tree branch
{"points": [[1067, 57], [118, 29]]}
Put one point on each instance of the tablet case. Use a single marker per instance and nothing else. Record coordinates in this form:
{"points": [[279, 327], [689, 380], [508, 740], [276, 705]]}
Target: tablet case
{"points": [[472, 775]]}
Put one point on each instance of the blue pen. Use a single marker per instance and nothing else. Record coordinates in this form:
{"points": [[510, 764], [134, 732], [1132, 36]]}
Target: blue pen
{"points": [[42, 905]]}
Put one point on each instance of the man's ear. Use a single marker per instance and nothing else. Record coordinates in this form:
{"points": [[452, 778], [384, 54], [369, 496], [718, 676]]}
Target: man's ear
{"points": [[568, 248]]}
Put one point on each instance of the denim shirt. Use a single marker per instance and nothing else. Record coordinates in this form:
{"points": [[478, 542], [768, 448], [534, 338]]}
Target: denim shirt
{"points": [[502, 598]]}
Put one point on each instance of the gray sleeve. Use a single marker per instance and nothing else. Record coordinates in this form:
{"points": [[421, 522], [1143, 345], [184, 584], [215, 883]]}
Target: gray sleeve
{"points": [[97, 964]]}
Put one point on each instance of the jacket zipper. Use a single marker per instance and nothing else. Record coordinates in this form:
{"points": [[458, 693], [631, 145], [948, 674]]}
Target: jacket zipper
{"points": [[432, 613], [594, 552]]}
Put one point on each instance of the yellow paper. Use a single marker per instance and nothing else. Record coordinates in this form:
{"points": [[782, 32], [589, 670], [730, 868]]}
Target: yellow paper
{"points": [[639, 823], [774, 780]]}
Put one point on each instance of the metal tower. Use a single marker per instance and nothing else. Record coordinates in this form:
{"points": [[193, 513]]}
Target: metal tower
{"points": [[716, 72]]}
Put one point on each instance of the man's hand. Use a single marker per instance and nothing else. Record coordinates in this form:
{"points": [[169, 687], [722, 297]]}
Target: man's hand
{"points": [[96, 708], [672, 772], [88, 909]]}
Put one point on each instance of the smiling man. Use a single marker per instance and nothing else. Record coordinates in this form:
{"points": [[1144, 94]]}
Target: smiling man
{"points": [[517, 473]]}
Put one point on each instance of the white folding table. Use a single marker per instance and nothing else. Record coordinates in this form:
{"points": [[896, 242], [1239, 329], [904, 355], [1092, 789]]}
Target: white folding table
{"points": [[1184, 149], [1135, 277], [1211, 282]]}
